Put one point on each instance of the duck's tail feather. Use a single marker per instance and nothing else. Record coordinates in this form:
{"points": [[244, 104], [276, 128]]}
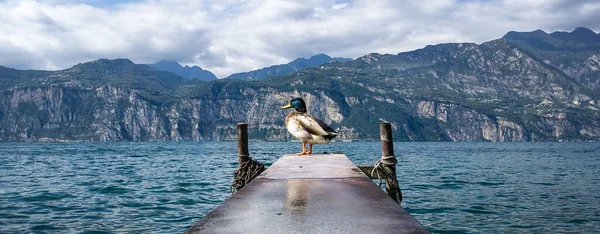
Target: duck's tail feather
{"points": [[330, 136]]}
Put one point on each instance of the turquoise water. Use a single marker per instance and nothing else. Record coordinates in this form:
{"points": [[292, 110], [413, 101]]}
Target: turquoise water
{"points": [[166, 187]]}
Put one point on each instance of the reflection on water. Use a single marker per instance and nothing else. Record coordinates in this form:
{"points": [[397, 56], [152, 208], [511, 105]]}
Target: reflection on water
{"points": [[296, 196]]}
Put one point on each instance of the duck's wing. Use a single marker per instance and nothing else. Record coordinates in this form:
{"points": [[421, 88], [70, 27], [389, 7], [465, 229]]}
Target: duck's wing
{"points": [[314, 126], [326, 127]]}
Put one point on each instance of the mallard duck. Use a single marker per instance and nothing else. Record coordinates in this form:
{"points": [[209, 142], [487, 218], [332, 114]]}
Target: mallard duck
{"points": [[306, 127]]}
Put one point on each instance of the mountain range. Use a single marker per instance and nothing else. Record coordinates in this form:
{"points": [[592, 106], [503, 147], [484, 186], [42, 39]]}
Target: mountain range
{"points": [[575, 53], [183, 71], [283, 69], [525, 86]]}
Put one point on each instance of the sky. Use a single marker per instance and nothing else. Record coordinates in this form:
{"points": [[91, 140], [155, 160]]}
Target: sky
{"points": [[229, 36]]}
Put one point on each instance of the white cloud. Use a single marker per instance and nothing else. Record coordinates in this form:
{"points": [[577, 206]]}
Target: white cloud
{"points": [[234, 36], [338, 6]]}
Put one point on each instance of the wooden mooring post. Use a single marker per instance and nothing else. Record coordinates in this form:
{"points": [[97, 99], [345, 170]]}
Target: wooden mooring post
{"points": [[317, 193], [248, 169], [385, 168], [242, 134], [389, 161]]}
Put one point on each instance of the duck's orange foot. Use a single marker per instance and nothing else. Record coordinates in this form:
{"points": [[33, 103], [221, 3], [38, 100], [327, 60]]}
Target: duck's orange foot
{"points": [[304, 152], [309, 149]]}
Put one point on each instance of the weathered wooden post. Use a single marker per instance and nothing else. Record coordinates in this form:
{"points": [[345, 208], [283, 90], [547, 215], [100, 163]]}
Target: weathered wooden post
{"points": [[242, 134], [248, 169], [389, 161]]}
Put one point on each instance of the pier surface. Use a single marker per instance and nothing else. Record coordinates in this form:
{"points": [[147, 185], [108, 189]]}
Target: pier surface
{"points": [[319, 193]]}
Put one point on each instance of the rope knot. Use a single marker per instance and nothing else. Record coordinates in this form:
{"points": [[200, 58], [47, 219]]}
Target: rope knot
{"points": [[383, 170], [246, 172]]}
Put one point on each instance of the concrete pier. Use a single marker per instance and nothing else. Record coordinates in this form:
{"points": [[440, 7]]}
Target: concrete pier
{"points": [[319, 193]]}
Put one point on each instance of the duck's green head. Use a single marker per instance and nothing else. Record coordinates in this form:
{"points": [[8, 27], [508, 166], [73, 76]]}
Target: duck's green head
{"points": [[296, 103]]}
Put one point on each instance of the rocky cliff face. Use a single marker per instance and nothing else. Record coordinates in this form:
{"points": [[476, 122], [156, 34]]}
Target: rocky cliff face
{"points": [[116, 114], [463, 124]]}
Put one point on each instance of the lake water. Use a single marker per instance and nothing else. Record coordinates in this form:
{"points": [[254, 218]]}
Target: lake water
{"points": [[168, 186]]}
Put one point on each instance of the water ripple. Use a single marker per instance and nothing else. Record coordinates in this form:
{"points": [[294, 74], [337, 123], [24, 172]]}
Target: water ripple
{"points": [[165, 187]]}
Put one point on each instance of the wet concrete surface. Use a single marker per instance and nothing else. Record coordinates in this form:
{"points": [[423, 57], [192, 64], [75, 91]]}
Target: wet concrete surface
{"points": [[314, 166], [310, 194]]}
